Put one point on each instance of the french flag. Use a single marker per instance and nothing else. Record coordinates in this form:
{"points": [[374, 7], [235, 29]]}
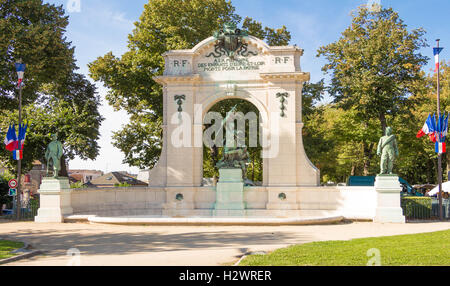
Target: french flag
{"points": [[22, 135], [18, 155], [11, 142], [428, 129], [441, 148], [436, 52]]}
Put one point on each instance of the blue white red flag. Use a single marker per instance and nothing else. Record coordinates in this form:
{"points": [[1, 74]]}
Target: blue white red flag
{"points": [[11, 142], [22, 135], [441, 148], [436, 52], [18, 155], [427, 128]]}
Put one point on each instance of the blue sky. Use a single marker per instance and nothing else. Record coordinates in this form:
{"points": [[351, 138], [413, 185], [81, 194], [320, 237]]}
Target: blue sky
{"points": [[103, 25]]}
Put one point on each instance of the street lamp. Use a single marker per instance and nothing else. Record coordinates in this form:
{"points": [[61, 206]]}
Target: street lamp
{"points": [[20, 69]]}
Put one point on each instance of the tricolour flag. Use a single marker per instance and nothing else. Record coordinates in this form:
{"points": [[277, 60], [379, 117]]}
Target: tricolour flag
{"points": [[22, 135], [441, 148], [427, 128], [17, 155], [436, 52], [11, 142]]}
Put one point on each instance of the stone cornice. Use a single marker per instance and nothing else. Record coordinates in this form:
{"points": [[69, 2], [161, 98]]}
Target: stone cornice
{"points": [[301, 76], [164, 80]]}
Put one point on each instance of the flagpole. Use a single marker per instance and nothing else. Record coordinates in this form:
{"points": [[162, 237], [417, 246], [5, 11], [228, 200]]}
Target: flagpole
{"points": [[19, 162], [441, 217]]}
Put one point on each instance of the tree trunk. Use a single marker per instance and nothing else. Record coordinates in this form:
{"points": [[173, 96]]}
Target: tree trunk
{"points": [[63, 172], [367, 149], [353, 171], [383, 123]]}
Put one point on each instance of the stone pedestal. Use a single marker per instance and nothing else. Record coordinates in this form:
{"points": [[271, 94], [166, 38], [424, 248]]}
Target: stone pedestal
{"points": [[230, 193], [55, 200], [388, 200]]}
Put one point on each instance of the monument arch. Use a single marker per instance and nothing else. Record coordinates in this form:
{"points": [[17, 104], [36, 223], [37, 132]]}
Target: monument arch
{"points": [[269, 77]]}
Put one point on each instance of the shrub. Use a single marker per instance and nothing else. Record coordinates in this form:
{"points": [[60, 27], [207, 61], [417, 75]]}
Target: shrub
{"points": [[122, 185], [417, 207]]}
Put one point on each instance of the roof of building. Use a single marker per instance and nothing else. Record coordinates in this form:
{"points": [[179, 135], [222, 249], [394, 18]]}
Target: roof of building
{"points": [[76, 177], [85, 171], [115, 178]]}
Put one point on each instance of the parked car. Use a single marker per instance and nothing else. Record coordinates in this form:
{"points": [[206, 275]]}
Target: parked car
{"points": [[369, 181]]}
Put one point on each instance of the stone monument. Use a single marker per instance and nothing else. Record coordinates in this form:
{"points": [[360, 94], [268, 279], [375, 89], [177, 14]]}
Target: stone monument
{"points": [[387, 184], [232, 173], [55, 192]]}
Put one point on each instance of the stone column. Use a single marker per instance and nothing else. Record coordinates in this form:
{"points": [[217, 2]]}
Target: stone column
{"points": [[55, 200], [388, 200]]}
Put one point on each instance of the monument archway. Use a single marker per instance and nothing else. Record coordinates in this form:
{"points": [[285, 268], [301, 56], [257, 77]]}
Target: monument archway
{"points": [[269, 77], [248, 122]]}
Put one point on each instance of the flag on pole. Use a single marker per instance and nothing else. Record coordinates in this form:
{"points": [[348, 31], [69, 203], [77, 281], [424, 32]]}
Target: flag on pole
{"points": [[434, 130], [441, 148], [427, 128], [436, 52], [17, 155], [22, 134], [10, 141], [445, 131]]}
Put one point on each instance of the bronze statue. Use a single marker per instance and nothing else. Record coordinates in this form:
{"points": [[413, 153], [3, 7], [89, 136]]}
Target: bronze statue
{"points": [[388, 150], [54, 153], [235, 156]]}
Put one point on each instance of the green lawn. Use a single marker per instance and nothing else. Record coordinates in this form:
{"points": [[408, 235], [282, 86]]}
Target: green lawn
{"points": [[427, 249], [7, 246]]}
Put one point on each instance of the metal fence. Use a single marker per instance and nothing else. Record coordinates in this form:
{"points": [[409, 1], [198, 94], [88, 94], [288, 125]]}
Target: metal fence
{"points": [[426, 209], [28, 210]]}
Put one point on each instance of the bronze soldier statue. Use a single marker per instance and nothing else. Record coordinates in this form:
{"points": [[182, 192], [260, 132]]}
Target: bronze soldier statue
{"points": [[388, 150], [54, 153]]}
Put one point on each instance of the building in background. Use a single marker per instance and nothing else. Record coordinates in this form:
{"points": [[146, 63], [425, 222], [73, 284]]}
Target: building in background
{"points": [[84, 176], [114, 179]]}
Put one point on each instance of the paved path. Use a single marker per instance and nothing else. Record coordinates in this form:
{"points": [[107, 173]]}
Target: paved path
{"points": [[181, 245]]}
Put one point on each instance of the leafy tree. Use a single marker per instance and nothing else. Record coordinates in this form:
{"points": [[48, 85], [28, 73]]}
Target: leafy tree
{"points": [[164, 25], [71, 111], [55, 98], [34, 32], [374, 67], [4, 189]]}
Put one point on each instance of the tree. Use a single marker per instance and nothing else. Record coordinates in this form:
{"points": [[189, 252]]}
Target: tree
{"points": [[55, 98], [4, 190], [71, 110], [34, 32], [164, 25], [374, 67]]}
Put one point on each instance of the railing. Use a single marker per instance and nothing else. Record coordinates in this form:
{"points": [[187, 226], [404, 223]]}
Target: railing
{"points": [[28, 210], [424, 208]]}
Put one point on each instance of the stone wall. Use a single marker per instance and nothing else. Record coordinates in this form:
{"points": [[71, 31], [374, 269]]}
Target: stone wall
{"points": [[351, 202]]}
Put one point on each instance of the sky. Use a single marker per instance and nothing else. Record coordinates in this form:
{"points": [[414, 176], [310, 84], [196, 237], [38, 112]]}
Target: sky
{"points": [[97, 27]]}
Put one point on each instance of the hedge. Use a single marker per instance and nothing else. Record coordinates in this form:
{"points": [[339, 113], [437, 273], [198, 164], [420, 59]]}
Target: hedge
{"points": [[417, 207]]}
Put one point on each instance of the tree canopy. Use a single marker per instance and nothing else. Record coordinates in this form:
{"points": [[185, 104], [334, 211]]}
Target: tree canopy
{"points": [[56, 99]]}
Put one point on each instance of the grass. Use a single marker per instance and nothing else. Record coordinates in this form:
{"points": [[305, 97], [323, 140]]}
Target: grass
{"points": [[426, 249], [7, 246]]}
